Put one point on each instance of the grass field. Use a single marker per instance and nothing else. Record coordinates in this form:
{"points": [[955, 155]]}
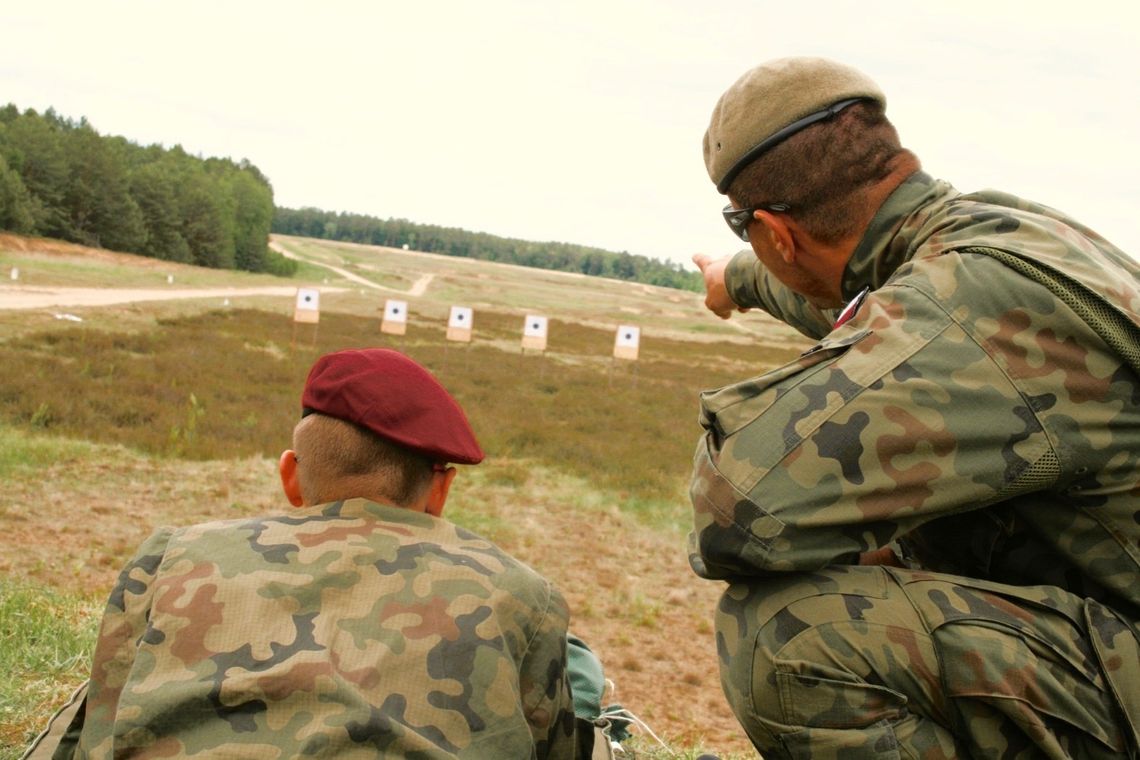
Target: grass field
{"points": [[172, 413]]}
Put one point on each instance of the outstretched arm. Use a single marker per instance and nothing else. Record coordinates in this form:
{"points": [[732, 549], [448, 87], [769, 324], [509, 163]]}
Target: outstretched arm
{"points": [[717, 298], [740, 282]]}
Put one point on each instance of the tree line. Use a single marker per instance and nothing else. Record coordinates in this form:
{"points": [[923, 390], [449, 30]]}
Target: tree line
{"points": [[61, 179], [452, 241]]}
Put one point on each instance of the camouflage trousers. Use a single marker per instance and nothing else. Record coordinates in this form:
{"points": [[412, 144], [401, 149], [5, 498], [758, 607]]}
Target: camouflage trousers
{"points": [[854, 662]]}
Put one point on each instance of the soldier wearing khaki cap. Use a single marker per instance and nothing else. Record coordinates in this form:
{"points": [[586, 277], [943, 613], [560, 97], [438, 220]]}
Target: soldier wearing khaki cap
{"points": [[929, 520]]}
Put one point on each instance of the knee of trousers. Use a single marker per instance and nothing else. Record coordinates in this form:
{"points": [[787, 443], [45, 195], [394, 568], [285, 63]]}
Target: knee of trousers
{"points": [[836, 649]]}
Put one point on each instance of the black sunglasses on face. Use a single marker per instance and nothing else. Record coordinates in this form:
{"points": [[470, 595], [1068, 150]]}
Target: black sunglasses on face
{"points": [[739, 218]]}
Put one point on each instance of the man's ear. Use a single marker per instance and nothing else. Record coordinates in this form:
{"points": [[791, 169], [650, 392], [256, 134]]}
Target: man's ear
{"points": [[437, 494], [779, 234], [287, 467]]}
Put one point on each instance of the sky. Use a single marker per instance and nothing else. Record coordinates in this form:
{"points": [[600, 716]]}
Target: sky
{"points": [[581, 121]]}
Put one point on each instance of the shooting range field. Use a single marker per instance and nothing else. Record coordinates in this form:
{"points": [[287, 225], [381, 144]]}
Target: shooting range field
{"points": [[169, 398]]}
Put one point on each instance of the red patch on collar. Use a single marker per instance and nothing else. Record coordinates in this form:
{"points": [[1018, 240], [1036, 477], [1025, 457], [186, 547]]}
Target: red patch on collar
{"points": [[851, 308]]}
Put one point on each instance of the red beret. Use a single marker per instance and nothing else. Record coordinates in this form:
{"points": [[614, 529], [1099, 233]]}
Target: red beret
{"points": [[386, 392]]}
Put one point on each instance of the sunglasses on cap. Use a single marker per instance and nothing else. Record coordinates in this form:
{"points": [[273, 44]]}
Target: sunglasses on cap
{"points": [[739, 218]]}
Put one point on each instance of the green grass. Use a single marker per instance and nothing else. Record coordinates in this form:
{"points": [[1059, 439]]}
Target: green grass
{"points": [[46, 638], [19, 451], [226, 384], [153, 401], [74, 271], [644, 748], [308, 272]]}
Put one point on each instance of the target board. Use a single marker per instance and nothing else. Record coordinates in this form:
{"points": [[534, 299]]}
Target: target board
{"points": [[534, 333], [395, 320], [308, 308], [626, 342], [460, 323]]}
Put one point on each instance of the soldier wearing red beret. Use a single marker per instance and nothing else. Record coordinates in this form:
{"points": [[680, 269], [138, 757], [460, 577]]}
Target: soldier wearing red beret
{"points": [[360, 623]]}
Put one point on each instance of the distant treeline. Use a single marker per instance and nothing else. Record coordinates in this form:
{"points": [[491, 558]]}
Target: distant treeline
{"points": [[451, 241], [61, 179]]}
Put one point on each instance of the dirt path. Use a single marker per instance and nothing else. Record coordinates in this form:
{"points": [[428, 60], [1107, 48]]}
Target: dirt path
{"points": [[635, 601], [419, 287]]}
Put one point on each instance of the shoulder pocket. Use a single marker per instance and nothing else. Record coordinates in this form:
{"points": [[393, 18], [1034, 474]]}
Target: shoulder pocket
{"points": [[726, 410]]}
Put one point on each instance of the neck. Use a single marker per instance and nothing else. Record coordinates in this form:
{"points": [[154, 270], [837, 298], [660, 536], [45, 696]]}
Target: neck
{"points": [[368, 487], [829, 260]]}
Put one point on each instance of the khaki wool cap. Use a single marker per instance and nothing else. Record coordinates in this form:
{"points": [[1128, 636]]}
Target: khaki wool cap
{"points": [[771, 103]]}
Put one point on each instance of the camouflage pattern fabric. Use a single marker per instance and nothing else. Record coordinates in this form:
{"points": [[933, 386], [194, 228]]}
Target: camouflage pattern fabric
{"points": [[973, 417], [852, 662], [352, 629]]}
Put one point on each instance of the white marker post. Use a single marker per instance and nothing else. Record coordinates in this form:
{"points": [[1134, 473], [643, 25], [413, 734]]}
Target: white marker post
{"points": [[460, 323], [534, 333], [308, 310], [169, 279], [626, 342], [308, 307], [15, 273], [395, 320]]}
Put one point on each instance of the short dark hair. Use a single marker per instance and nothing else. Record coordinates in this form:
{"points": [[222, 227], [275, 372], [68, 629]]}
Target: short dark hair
{"points": [[820, 171], [334, 451]]}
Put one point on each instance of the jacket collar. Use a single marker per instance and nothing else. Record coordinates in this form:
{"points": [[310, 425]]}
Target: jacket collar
{"points": [[882, 251]]}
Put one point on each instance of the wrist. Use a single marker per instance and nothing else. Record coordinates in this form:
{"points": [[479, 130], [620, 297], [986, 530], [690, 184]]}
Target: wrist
{"points": [[740, 279]]}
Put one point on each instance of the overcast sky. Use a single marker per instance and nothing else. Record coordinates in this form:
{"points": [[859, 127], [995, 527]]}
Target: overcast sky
{"points": [[582, 121]]}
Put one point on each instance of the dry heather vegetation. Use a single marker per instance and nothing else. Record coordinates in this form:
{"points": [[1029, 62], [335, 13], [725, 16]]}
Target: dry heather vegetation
{"points": [[154, 414]]}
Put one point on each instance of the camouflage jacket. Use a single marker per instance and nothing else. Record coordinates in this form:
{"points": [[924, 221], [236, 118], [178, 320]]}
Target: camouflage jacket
{"points": [[350, 629], [965, 409]]}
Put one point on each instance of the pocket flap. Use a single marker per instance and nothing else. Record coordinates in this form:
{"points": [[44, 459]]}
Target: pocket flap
{"points": [[728, 409]]}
